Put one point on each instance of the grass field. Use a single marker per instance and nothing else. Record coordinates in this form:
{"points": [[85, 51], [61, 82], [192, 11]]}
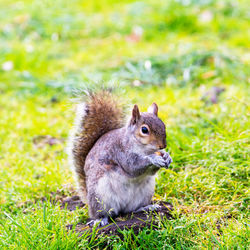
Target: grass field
{"points": [[179, 53]]}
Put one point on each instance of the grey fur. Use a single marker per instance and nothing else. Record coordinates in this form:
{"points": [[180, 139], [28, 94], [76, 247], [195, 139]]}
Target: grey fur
{"points": [[120, 165]]}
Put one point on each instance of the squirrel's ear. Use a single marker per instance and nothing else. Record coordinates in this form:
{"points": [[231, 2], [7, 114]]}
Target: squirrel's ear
{"points": [[153, 109], [135, 115]]}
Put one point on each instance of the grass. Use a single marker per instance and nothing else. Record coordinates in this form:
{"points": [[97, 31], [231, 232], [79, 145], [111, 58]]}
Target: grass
{"points": [[172, 52]]}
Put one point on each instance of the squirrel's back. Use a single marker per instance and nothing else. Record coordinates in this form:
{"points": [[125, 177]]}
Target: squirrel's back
{"points": [[97, 115]]}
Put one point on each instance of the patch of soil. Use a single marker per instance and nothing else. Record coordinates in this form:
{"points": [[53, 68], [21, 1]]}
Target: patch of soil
{"points": [[60, 196], [71, 203], [137, 221]]}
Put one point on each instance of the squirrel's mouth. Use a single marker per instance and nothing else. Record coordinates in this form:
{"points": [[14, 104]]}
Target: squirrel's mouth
{"points": [[151, 150]]}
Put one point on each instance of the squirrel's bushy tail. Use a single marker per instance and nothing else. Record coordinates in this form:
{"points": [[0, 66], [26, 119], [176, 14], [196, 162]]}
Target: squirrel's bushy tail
{"points": [[97, 115]]}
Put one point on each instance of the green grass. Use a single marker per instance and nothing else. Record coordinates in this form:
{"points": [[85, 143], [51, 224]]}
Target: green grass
{"points": [[180, 51]]}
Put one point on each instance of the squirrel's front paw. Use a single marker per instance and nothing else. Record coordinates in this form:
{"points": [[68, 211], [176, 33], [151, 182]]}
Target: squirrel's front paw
{"points": [[168, 160], [157, 160]]}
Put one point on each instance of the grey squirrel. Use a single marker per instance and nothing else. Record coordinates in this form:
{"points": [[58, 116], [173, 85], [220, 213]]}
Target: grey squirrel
{"points": [[114, 161]]}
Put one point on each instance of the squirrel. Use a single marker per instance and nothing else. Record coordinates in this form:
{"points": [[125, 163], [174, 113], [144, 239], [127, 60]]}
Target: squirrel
{"points": [[115, 161]]}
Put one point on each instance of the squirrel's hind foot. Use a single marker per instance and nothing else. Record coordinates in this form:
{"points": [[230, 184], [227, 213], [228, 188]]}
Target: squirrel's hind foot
{"points": [[99, 222], [148, 208]]}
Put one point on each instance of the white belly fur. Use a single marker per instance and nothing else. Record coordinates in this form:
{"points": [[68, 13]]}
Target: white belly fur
{"points": [[123, 194]]}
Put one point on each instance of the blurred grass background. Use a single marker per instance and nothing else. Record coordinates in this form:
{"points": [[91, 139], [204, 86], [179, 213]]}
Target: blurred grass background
{"points": [[190, 56]]}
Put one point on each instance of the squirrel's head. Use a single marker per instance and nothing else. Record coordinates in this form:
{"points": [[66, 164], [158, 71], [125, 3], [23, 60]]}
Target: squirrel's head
{"points": [[148, 130]]}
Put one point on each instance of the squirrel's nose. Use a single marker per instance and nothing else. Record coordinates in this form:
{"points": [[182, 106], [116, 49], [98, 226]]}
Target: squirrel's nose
{"points": [[162, 146]]}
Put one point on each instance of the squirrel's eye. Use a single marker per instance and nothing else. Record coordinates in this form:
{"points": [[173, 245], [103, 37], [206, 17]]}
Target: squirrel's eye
{"points": [[144, 130]]}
